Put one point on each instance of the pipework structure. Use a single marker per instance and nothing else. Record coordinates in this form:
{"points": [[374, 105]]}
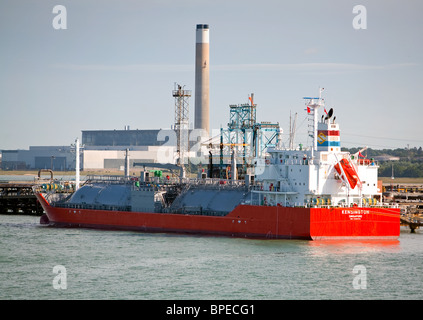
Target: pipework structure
{"points": [[246, 138]]}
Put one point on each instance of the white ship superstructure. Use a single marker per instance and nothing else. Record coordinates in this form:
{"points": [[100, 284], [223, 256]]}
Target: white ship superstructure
{"points": [[321, 175]]}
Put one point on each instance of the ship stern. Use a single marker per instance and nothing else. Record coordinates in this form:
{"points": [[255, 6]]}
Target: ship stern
{"points": [[355, 223]]}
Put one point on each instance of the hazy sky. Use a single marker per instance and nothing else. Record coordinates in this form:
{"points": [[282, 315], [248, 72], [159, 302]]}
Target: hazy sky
{"points": [[117, 62]]}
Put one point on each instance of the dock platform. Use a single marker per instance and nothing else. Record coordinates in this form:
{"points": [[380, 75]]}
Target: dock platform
{"points": [[18, 198]]}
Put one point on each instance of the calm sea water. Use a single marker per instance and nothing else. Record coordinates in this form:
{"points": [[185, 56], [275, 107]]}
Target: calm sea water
{"points": [[130, 265]]}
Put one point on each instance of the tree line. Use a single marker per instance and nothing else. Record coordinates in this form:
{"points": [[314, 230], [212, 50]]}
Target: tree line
{"points": [[409, 165]]}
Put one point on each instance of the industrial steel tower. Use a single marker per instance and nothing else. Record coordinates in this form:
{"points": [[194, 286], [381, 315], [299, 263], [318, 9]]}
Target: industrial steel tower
{"points": [[181, 122], [202, 71]]}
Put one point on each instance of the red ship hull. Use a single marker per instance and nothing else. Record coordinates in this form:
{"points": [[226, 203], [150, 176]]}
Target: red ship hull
{"points": [[244, 221]]}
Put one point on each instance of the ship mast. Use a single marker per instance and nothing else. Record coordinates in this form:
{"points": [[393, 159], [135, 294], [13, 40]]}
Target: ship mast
{"points": [[313, 105], [292, 130]]}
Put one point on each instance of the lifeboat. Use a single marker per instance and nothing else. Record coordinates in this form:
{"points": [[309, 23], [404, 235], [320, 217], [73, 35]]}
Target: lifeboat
{"points": [[349, 171]]}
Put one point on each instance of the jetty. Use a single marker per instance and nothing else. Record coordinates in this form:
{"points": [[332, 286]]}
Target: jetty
{"points": [[18, 198], [412, 221], [409, 196]]}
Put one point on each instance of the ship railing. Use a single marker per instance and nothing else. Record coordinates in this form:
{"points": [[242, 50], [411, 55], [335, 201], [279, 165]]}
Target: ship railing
{"points": [[270, 189], [308, 205], [55, 187], [258, 185], [221, 183], [256, 199], [366, 162], [352, 205], [295, 161], [108, 179], [305, 161]]}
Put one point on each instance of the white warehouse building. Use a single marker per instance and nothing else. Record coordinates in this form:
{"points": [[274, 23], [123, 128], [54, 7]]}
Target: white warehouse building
{"points": [[100, 150], [104, 149]]}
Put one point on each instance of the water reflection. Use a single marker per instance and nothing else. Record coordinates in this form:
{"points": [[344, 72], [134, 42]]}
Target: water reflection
{"points": [[328, 247]]}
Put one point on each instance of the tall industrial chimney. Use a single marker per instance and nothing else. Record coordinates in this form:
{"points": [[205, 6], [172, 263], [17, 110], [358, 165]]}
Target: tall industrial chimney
{"points": [[202, 69]]}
